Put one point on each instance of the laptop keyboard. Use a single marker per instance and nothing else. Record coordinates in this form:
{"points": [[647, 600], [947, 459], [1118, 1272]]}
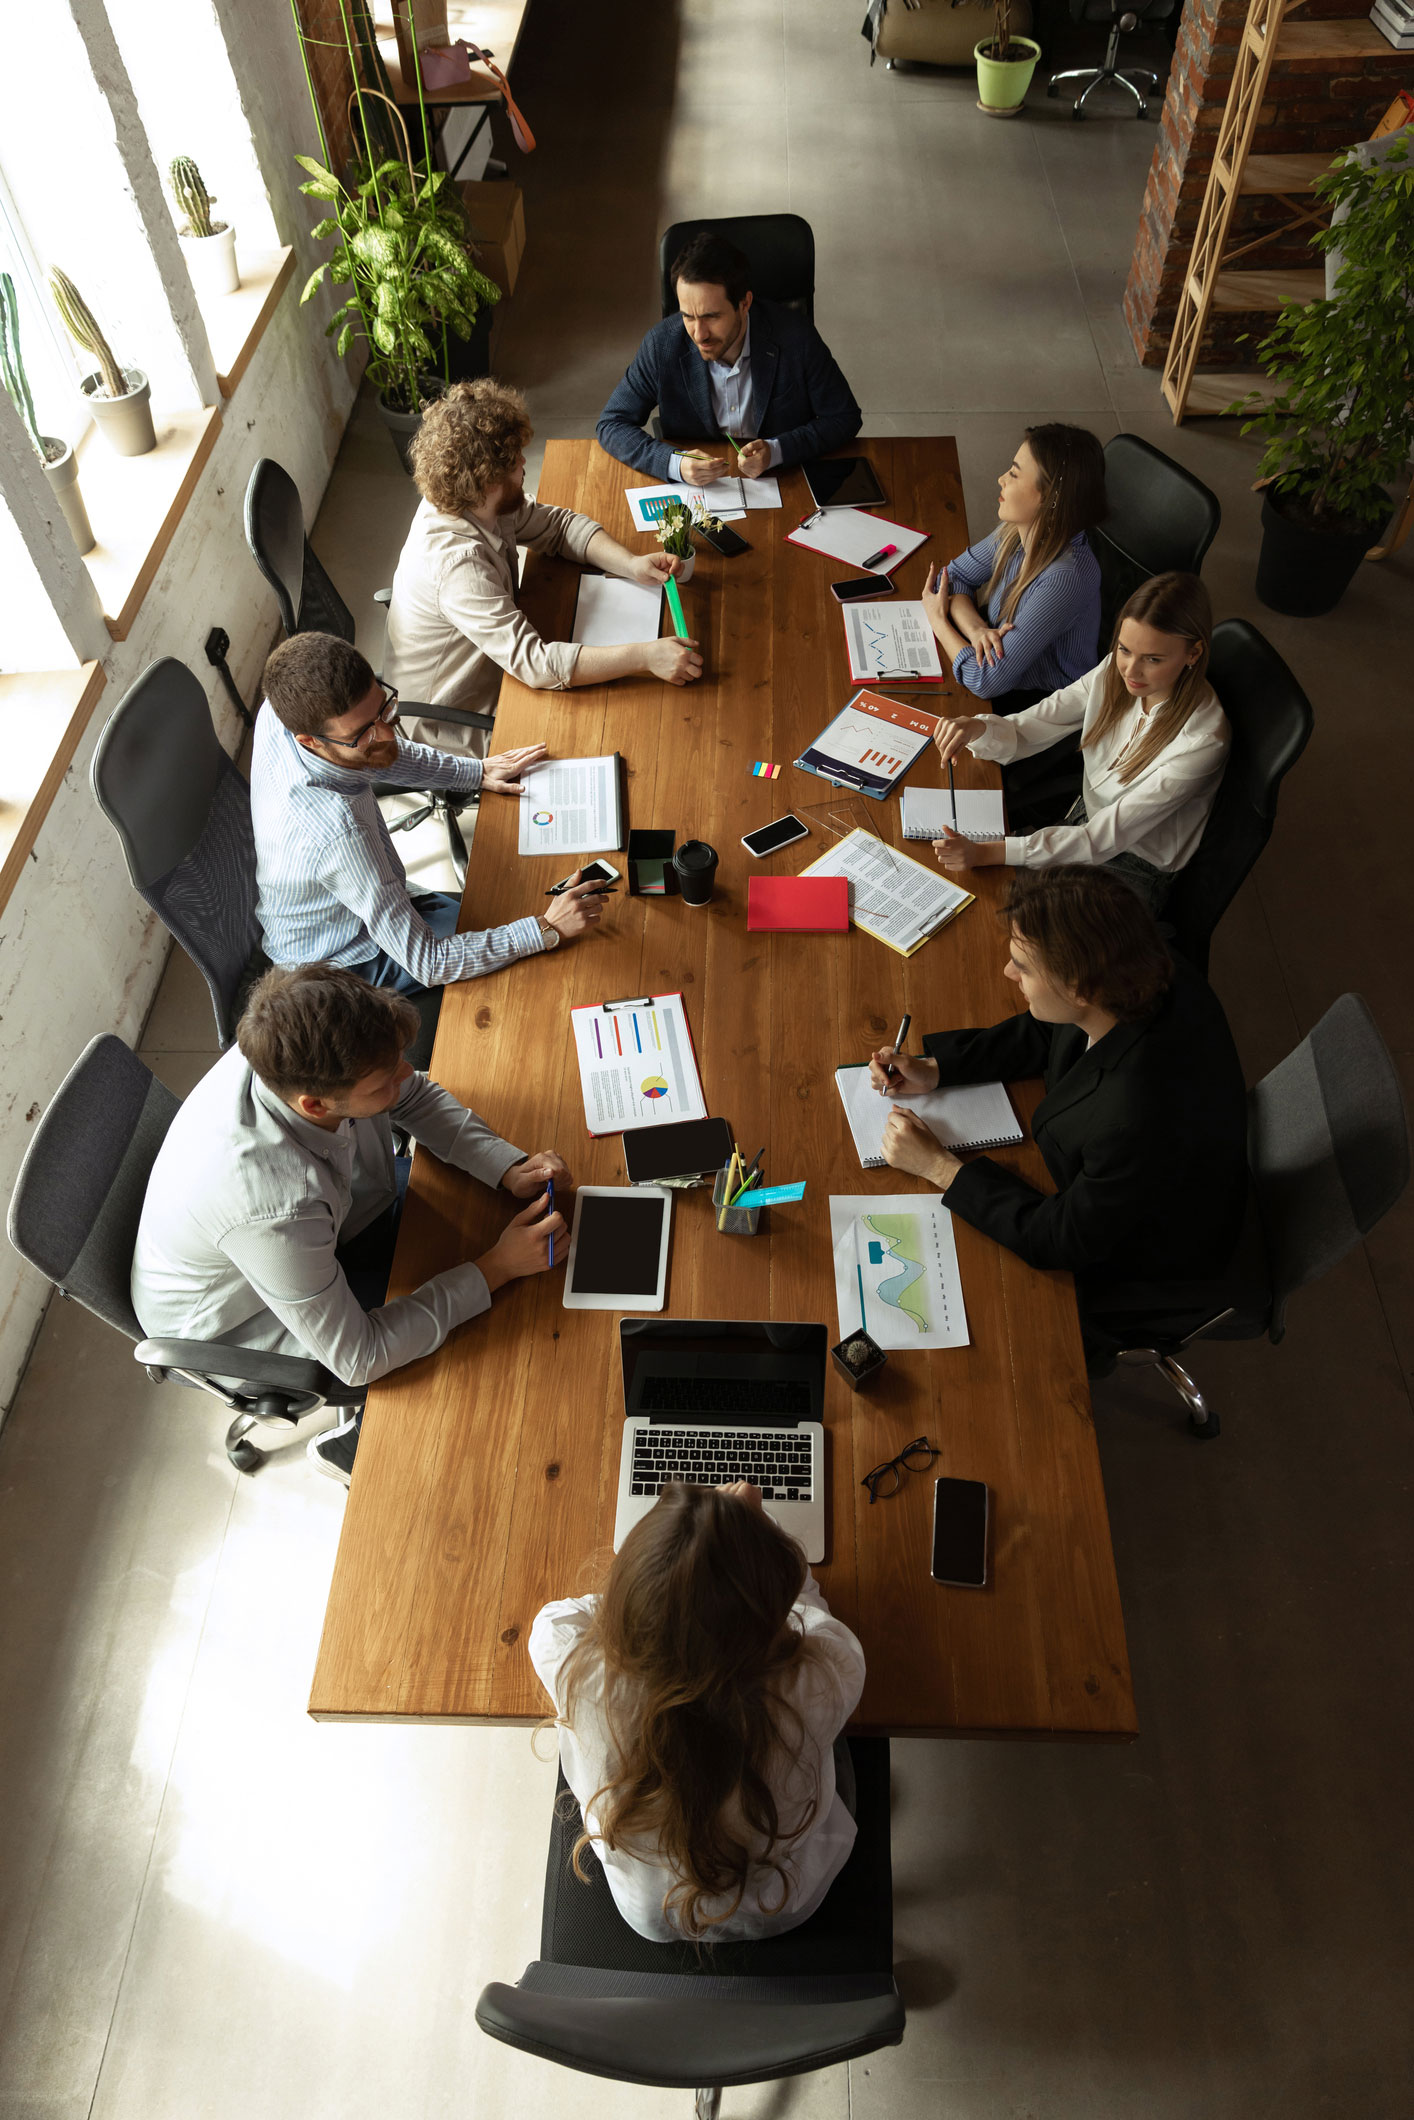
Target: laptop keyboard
{"points": [[789, 1397], [777, 1460]]}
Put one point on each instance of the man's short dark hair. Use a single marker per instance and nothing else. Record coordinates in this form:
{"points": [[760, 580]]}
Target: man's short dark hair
{"points": [[313, 1030], [313, 678], [1093, 935], [709, 259]]}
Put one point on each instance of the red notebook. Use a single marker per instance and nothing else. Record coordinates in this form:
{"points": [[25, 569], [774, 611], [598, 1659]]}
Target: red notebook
{"points": [[783, 905]]}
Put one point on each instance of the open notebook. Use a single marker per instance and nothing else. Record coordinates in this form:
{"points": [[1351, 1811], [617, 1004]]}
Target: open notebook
{"points": [[981, 813], [979, 1115]]}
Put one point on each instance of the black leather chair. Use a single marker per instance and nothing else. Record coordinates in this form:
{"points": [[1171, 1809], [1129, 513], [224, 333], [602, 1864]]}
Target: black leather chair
{"points": [[1122, 16], [1160, 519], [603, 2000], [1271, 721], [779, 247]]}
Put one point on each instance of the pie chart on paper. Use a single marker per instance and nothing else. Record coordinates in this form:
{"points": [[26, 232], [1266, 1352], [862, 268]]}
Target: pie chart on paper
{"points": [[655, 1086], [543, 817]]}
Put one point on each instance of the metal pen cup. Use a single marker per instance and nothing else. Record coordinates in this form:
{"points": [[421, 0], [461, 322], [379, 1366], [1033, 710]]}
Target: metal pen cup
{"points": [[734, 1221]]}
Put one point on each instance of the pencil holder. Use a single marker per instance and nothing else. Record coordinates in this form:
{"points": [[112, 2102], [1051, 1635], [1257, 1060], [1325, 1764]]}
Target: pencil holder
{"points": [[736, 1221], [858, 1359]]}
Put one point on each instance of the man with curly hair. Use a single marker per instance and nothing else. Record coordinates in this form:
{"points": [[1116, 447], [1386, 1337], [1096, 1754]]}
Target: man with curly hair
{"points": [[454, 624]]}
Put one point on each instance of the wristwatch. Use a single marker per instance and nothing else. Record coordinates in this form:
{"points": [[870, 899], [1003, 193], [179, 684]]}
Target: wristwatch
{"points": [[550, 932]]}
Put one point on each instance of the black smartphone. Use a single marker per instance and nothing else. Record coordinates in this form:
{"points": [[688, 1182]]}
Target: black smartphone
{"points": [[592, 872], [772, 837], [863, 585], [960, 1512], [724, 541], [686, 1149]]}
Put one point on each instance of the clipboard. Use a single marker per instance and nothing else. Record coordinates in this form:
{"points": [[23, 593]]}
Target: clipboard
{"points": [[851, 537], [637, 1063]]}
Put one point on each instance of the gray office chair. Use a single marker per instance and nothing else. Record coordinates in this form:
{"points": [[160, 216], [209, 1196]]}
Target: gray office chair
{"points": [[309, 603], [1123, 16], [779, 247], [603, 2000], [1271, 720], [1159, 519], [1328, 1149], [74, 1214]]}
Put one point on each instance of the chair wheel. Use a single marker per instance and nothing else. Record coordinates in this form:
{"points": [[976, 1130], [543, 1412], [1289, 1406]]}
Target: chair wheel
{"points": [[244, 1456], [1204, 1431]]}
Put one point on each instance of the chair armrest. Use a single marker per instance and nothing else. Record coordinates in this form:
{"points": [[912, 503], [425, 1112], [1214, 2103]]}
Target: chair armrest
{"points": [[463, 716], [268, 1372], [382, 596]]}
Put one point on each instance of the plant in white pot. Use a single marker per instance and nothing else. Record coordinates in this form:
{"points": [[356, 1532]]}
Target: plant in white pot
{"points": [[1005, 64], [54, 453], [674, 532], [118, 398], [208, 246]]}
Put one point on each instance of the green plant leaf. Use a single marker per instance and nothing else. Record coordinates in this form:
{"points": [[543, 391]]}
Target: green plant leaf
{"points": [[345, 339], [315, 280]]}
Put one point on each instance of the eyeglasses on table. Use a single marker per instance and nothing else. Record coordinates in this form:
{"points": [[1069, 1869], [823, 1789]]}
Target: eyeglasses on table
{"points": [[885, 1480]]}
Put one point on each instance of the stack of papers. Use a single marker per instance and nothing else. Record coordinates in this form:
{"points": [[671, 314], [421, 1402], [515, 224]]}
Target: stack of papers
{"points": [[728, 499], [610, 613], [891, 896]]}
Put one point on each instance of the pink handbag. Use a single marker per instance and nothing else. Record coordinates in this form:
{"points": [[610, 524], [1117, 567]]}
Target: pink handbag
{"points": [[444, 65]]}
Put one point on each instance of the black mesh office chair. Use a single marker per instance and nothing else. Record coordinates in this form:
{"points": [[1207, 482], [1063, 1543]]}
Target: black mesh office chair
{"points": [[1159, 519], [1123, 16], [603, 2000], [1271, 722], [74, 1214], [779, 247], [1328, 1149], [309, 603]]}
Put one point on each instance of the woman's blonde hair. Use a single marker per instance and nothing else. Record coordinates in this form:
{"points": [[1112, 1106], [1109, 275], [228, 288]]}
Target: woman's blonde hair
{"points": [[1072, 467], [1170, 603], [469, 441], [690, 1642]]}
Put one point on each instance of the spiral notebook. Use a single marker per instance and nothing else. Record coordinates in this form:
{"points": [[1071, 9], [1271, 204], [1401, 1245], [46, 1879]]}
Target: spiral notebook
{"points": [[978, 1115], [981, 813]]}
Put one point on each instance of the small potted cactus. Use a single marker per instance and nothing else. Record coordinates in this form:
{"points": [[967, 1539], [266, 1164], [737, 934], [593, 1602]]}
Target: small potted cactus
{"points": [[118, 398], [55, 454], [209, 246]]}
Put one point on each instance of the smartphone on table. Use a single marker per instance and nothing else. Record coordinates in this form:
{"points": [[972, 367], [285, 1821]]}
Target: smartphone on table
{"points": [[723, 539], [770, 838], [862, 585], [593, 872], [961, 1509]]}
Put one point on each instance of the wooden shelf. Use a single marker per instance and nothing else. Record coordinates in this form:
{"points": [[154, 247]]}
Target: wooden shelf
{"points": [[1210, 393], [234, 322], [1335, 40], [45, 713], [1267, 174], [493, 26], [135, 504], [1266, 290]]}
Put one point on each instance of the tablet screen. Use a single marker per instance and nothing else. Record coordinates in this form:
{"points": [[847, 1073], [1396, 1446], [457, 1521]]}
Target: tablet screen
{"points": [[843, 482], [620, 1241]]}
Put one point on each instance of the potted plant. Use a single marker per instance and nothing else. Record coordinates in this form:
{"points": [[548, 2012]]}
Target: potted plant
{"points": [[674, 533], [1005, 65], [1342, 428], [118, 398], [210, 246], [56, 456]]}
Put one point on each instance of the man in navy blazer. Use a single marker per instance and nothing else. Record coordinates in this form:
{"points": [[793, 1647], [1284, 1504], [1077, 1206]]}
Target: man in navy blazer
{"points": [[728, 365]]}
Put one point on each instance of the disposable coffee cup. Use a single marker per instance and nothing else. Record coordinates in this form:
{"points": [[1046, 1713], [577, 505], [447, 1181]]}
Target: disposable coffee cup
{"points": [[696, 866]]}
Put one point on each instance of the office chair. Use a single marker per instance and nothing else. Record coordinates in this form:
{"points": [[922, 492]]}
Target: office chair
{"points": [[309, 603], [74, 1214], [1159, 518], [1271, 722], [1328, 1149], [1122, 17], [603, 2000], [779, 247]]}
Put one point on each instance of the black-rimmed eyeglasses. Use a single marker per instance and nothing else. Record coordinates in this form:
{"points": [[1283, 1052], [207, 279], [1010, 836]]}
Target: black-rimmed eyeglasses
{"points": [[885, 1480], [387, 715]]}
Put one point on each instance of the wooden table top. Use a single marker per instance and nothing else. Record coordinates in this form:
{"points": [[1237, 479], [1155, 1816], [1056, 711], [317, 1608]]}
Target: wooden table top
{"points": [[487, 1474]]}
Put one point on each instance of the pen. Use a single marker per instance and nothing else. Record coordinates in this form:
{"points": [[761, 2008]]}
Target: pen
{"points": [[903, 1031], [952, 795], [552, 1210], [600, 890], [806, 520], [884, 552]]}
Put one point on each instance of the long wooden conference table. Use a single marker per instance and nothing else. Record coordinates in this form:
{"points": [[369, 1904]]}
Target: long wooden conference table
{"points": [[487, 1474]]}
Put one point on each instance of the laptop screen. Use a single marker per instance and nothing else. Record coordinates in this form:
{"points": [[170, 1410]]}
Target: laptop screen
{"points": [[663, 1358]]}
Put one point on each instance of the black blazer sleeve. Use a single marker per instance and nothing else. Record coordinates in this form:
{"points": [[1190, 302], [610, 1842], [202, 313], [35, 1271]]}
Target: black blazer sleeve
{"points": [[1108, 1206], [1008, 1052], [836, 417], [620, 429]]}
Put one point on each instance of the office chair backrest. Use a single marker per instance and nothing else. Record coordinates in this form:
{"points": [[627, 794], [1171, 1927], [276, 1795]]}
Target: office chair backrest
{"points": [[1160, 519], [1328, 1142], [77, 1201], [274, 530], [1271, 722], [182, 812], [779, 247]]}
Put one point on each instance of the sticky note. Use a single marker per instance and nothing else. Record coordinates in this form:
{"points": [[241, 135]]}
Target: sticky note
{"points": [[764, 770]]}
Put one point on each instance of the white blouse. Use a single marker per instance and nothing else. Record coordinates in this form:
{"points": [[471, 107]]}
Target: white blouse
{"points": [[1158, 815], [823, 1687]]}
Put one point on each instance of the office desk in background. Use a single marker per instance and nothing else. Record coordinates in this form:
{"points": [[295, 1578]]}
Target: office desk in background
{"points": [[487, 1474]]}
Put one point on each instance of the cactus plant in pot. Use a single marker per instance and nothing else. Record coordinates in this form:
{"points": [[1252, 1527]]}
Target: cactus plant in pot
{"points": [[1005, 64], [54, 454], [208, 246], [118, 398]]}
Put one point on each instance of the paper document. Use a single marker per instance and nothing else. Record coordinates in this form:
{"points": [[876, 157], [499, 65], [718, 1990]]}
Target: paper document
{"points": [[870, 744], [974, 1115], [571, 806], [981, 813], [896, 1270], [728, 498], [610, 613], [890, 641], [636, 1064], [891, 896], [852, 537]]}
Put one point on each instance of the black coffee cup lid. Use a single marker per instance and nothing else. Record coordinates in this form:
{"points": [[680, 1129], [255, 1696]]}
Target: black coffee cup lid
{"points": [[695, 854]]}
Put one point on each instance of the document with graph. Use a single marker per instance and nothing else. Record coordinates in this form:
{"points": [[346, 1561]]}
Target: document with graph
{"points": [[637, 1066], [572, 806], [870, 744], [896, 1270], [891, 642]]}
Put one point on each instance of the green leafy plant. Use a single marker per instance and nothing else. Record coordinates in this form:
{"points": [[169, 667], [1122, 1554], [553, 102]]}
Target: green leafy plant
{"points": [[194, 200], [12, 366], [85, 331], [1342, 427], [677, 523]]}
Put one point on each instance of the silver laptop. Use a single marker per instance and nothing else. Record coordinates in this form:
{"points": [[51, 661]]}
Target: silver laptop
{"points": [[711, 1402]]}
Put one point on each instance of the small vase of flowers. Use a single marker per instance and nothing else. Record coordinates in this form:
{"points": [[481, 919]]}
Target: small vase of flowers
{"points": [[675, 527]]}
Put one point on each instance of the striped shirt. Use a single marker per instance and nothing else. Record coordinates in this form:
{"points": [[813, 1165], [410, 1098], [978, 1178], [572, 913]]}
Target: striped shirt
{"points": [[1056, 621], [331, 889]]}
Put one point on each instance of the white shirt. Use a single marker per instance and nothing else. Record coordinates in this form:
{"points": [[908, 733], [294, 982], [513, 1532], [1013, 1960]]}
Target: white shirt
{"points": [[1158, 815], [824, 1686]]}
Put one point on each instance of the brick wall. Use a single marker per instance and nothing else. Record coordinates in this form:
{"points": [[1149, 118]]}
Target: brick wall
{"points": [[1312, 105]]}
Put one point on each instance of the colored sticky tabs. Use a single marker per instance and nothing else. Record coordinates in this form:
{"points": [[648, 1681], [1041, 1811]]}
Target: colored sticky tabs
{"points": [[771, 1195], [764, 770]]}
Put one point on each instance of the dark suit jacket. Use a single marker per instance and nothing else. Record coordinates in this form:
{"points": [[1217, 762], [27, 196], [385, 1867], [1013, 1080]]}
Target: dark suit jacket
{"points": [[1144, 1133], [801, 399]]}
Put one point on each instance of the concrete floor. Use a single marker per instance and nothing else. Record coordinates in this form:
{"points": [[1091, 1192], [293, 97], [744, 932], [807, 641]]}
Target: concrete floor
{"points": [[214, 1908]]}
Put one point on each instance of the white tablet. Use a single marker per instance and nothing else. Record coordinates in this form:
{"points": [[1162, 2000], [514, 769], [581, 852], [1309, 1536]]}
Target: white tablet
{"points": [[618, 1248]]}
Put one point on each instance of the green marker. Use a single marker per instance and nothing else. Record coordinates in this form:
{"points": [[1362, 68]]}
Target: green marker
{"points": [[675, 606]]}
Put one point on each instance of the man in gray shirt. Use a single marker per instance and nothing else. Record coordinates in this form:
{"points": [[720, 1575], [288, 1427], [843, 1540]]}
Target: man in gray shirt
{"points": [[282, 1157]]}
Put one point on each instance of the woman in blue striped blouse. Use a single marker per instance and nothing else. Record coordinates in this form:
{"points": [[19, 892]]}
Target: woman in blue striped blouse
{"points": [[1018, 615]]}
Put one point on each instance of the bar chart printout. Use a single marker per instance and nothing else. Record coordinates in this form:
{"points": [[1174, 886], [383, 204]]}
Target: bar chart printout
{"points": [[636, 1064], [870, 743]]}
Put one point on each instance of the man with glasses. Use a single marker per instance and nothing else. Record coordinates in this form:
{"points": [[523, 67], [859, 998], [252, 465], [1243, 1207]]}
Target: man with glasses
{"points": [[331, 888]]}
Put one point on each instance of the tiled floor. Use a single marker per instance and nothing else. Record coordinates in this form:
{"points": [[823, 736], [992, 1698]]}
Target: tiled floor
{"points": [[215, 1908]]}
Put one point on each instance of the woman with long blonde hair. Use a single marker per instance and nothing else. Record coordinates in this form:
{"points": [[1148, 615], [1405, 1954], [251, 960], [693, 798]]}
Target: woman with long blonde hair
{"points": [[1153, 747], [699, 1700]]}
